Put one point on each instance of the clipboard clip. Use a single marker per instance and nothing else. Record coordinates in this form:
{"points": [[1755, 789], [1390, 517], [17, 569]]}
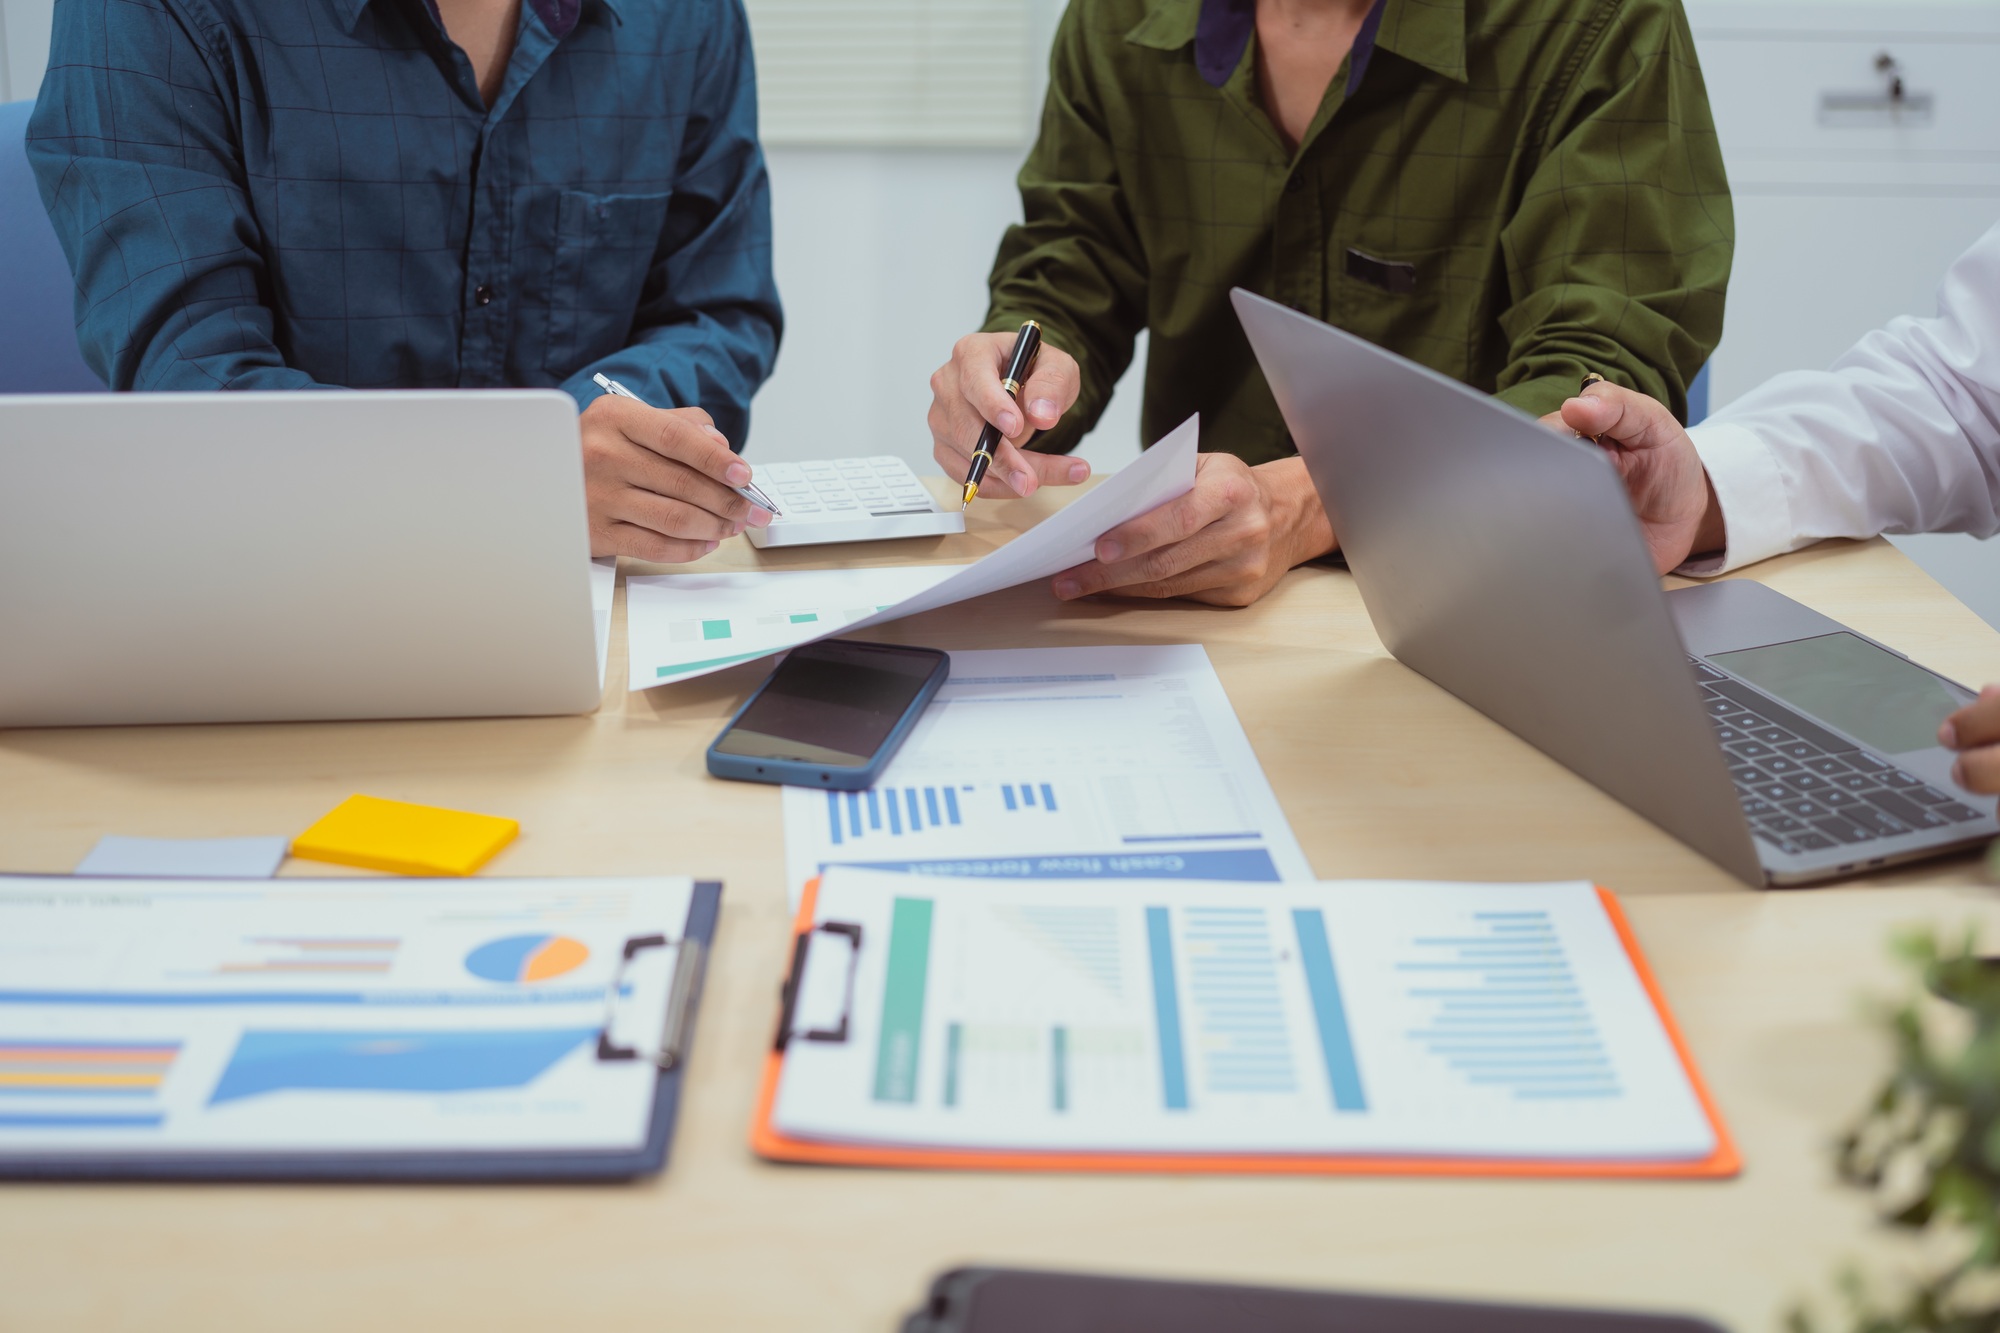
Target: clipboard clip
{"points": [[691, 958], [849, 931]]}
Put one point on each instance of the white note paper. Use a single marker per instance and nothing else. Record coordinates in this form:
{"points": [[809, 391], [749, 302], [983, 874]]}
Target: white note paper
{"points": [[679, 626], [1396, 1018], [186, 858], [1061, 763]]}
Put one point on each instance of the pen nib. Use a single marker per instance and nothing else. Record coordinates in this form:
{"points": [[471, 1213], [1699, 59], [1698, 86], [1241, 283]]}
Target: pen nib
{"points": [[971, 489]]}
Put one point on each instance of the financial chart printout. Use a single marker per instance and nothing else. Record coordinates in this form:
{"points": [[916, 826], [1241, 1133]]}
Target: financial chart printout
{"points": [[170, 1016], [1067, 763], [1394, 1018], [679, 626]]}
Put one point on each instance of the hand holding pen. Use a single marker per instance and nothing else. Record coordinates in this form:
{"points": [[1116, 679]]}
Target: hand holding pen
{"points": [[662, 483], [969, 395]]}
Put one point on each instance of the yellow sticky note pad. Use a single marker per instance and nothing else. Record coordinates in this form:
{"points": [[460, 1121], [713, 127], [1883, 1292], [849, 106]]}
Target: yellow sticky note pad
{"points": [[404, 839]]}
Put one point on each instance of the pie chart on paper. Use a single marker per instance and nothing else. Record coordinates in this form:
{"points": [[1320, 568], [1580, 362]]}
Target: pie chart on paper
{"points": [[524, 958]]}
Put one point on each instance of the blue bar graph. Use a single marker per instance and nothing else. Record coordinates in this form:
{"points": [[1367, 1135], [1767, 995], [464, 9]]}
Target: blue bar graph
{"points": [[1239, 1013], [1335, 1041], [1507, 1013], [1166, 1010], [891, 810]]}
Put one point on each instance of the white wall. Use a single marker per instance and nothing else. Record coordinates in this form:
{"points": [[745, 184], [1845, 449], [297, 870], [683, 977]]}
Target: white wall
{"points": [[24, 46], [882, 257]]}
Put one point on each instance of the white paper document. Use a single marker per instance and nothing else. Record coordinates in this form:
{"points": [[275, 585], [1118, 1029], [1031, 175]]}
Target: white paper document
{"points": [[1061, 763], [159, 1017], [679, 626], [1388, 1018]]}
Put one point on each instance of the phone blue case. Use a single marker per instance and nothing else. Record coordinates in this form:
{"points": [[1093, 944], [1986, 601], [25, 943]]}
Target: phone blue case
{"points": [[799, 773]]}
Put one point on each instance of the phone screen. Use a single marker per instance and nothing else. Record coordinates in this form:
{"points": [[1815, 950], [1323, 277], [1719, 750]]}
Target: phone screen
{"points": [[831, 703]]}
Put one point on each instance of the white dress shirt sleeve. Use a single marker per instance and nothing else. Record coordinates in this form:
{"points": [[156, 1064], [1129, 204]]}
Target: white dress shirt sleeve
{"points": [[1901, 435]]}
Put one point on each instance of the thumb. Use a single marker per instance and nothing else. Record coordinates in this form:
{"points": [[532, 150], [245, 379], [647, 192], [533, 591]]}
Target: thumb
{"points": [[1619, 417], [1591, 416], [1052, 387]]}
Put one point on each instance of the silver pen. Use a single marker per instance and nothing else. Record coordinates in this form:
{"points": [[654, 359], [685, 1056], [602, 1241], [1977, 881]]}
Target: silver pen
{"points": [[750, 492]]}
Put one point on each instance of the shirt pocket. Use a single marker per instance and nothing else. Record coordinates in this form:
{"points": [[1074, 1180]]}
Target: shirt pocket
{"points": [[1412, 302], [600, 262]]}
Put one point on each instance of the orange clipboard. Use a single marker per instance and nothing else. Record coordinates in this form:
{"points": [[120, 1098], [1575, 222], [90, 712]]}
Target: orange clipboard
{"points": [[768, 1142]]}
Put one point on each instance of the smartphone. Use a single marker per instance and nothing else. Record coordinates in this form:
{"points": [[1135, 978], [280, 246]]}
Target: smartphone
{"points": [[832, 715]]}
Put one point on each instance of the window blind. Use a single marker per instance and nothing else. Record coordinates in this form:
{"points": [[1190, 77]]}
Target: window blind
{"points": [[920, 73]]}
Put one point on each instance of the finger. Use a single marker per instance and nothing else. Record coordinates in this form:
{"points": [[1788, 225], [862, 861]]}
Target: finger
{"points": [[645, 544], [669, 518], [1978, 723], [1154, 567], [1175, 521], [956, 463], [684, 435], [979, 369], [1978, 770], [1027, 471], [645, 470], [1612, 414], [1052, 387], [1218, 582]]}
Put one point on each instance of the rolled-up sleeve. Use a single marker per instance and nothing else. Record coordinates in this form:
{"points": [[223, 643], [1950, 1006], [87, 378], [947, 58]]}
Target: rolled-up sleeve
{"points": [[1619, 252]]}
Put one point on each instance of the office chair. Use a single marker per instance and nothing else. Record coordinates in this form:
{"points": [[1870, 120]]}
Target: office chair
{"points": [[38, 352]]}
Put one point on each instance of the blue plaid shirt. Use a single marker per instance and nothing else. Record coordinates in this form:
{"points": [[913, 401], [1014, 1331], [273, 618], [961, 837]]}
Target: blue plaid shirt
{"points": [[276, 194]]}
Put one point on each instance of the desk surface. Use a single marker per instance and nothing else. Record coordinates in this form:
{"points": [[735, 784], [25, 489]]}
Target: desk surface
{"points": [[1364, 756]]}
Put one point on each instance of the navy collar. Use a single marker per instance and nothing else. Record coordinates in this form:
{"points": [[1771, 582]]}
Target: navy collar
{"points": [[558, 16], [1223, 32]]}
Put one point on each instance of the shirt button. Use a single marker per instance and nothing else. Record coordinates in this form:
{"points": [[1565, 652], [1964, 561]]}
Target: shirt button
{"points": [[482, 295], [1293, 184]]}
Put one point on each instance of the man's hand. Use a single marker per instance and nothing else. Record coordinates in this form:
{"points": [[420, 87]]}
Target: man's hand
{"points": [[966, 394], [659, 481], [1669, 489], [1227, 542], [1974, 731]]}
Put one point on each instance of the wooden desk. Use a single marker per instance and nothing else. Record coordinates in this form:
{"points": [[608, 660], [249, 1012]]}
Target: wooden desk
{"points": [[1359, 750]]}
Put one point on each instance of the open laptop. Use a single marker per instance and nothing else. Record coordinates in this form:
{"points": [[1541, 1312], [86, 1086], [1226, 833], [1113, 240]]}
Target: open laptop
{"points": [[226, 557], [1503, 562]]}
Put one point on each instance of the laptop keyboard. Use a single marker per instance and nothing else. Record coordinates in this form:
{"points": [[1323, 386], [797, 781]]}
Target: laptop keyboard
{"points": [[1803, 788]]}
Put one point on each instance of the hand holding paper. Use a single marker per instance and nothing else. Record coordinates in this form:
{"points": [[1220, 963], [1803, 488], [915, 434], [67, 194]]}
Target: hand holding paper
{"points": [[684, 625]]}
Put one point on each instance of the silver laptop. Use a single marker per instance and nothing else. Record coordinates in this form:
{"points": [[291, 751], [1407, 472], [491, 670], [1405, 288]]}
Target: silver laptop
{"points": [[224, 557], [1503, 562]]}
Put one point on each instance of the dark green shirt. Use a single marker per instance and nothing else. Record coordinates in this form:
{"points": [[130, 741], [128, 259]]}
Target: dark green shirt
{"points": [[1516, 192]]}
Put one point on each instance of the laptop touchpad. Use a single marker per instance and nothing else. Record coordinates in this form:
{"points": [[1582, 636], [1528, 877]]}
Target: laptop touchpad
{"points": [[1886, 702]]}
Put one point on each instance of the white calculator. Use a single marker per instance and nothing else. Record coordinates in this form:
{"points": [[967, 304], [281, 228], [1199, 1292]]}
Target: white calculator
{"points": [[849, 500]]}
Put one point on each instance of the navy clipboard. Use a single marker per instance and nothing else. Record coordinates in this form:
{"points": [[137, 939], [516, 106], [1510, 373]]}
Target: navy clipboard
{"points": [[433, 1166]]}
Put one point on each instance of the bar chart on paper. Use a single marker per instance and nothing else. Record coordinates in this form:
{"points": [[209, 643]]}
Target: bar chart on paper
{"points": [[1501, 1020], [1068, 762], [685, 624]]}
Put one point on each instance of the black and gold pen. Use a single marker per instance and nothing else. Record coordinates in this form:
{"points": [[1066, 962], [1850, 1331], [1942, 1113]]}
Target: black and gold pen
{"points": [[1026, 343]]}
